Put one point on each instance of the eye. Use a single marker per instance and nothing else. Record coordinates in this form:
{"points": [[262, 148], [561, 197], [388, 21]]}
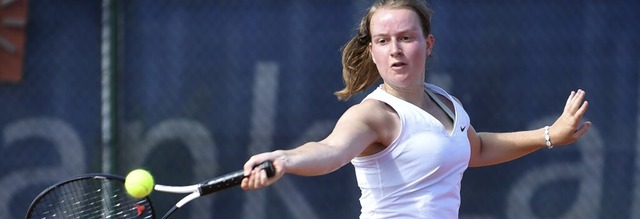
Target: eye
{"points": [[381, 41], [405, 38]]}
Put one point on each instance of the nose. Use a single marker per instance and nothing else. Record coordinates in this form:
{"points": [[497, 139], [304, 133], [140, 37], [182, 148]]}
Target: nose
{"points": [[396, 49]]}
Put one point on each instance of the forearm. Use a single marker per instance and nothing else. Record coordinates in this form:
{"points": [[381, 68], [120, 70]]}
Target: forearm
{"points": [[312, 159], [495, 148]]}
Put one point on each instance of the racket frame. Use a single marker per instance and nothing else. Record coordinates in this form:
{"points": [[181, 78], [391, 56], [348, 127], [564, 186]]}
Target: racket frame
{"points": [[63, 182], [197, 190]]}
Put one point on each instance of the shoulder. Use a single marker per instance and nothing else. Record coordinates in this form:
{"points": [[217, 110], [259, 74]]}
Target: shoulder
{"points": [[442, 93], [371, 110], [374, 114], [456, 99], [377, 115]]}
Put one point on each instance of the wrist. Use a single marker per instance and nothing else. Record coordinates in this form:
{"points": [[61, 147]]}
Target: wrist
{"points": [[282, 157], [547, 138]]}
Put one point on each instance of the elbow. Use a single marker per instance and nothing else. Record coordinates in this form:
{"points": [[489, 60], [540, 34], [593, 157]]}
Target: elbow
{"points": [[480, 156], [475, 159]]}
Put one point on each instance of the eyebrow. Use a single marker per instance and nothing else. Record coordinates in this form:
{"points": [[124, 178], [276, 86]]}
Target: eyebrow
{"points": [[410, 30]]}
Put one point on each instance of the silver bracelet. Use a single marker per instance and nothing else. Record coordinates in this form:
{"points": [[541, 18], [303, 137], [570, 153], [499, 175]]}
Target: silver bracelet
{"points": [[547, 138]]}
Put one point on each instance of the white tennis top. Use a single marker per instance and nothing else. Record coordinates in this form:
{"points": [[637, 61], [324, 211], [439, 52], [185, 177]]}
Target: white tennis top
{"points": [[419, 174]]}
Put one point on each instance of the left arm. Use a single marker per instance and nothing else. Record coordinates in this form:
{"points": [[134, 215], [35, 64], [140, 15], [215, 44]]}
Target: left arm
{"points": [[494, 148]]}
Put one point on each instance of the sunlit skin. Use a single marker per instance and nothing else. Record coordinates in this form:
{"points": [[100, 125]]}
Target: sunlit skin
{"points": [[400, 49]]}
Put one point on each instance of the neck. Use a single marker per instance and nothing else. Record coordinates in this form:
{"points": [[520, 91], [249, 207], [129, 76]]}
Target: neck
{"points": [[413, 94]]}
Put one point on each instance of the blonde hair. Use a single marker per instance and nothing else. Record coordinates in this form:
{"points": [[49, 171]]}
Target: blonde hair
{"points": [[358, 70]]}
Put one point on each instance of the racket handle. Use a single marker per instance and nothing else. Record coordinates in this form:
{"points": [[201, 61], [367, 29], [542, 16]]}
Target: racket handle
{"points": [[232, 179]]}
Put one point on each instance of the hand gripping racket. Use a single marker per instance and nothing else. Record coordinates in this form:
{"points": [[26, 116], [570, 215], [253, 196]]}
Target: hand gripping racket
{"points": [[104, 196]]}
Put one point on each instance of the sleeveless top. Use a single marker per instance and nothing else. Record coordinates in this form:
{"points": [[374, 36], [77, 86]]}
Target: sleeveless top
{"points": [[419, 174]]}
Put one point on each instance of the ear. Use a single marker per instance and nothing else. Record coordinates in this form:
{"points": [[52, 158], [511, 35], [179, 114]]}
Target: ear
{"points": [[431, 40]]}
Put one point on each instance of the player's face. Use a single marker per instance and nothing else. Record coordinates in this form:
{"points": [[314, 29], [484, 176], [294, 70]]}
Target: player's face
{"points": [[399, 47]]}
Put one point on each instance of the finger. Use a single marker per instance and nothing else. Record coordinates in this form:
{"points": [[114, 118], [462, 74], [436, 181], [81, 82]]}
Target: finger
{"points": [[582, 129], [251, 183], [578, 99], [582, 110], [255, 179], [248, 166], [263, 178], [569, 100], [244, 184], [251, 164]]}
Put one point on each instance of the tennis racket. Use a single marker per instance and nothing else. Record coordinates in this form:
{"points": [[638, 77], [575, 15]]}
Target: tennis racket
{"points": [[104, 196]]}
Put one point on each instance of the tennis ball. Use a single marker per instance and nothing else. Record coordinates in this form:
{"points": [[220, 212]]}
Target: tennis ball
{"points": [[139, 183]]}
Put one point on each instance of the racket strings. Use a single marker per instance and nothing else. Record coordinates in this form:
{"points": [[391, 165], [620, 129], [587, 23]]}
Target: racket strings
{"points": [[91, 198]]}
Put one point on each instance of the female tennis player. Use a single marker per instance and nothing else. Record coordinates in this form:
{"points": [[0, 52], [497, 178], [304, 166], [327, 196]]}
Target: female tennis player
{"points": [[409, 141]]}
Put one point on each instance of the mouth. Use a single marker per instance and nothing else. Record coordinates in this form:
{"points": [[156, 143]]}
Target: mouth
{"points": [[398, 64]]}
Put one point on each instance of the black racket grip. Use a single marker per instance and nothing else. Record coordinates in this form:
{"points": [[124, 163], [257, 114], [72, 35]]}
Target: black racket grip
{"points": [[232, 179]]}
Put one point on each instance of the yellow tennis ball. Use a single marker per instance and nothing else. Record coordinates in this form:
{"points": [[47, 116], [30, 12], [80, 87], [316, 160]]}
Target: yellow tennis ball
{"points": [[139, 183]]}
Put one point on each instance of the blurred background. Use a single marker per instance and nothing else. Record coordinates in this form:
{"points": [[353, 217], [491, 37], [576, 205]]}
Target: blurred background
{"points": [[190, 89]]}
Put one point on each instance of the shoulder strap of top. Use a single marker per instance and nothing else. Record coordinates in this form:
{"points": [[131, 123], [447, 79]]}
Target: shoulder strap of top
{"points": [[440, 103]]}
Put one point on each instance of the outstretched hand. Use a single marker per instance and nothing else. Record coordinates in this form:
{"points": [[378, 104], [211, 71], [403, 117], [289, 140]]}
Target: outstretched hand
{"points": [[257, 178], [567, 129]]}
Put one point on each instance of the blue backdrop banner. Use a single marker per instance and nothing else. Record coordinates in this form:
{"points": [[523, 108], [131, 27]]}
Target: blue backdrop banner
{"points": [[203, 85]]}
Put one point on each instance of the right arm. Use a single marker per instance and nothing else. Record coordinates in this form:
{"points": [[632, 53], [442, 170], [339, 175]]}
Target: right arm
{"points": [[359, 127]]}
